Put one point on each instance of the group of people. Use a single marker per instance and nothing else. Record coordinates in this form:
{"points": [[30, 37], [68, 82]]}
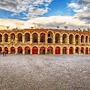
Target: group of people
{"points": [[4, 53]]}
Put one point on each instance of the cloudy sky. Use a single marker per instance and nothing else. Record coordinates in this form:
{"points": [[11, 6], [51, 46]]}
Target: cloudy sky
{"points": [[45, 14]]}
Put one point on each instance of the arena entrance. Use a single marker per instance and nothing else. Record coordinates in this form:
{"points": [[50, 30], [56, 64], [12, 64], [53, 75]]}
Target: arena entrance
{"points": [[20, 51], [86, 51], [82, 50], [64, 50], [50, 50], [57, 50], [77, 50], [27, 50], [12, 50], [71, 50], [0, 50], [42, 50], [34, 50], [6, 50]]}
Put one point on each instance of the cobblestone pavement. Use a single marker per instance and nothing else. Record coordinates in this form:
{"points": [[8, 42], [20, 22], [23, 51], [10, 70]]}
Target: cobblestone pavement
{"points": [[45, 72]]}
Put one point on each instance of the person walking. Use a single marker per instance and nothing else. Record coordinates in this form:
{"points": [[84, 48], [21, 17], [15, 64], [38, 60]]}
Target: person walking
{"points": [[3, 53]]}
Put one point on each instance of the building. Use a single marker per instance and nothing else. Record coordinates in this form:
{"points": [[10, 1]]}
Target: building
{"points": [[45, 41]]}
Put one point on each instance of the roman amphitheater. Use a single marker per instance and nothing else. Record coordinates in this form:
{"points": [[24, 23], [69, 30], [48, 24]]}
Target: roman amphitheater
{"points": [[45, 41]]}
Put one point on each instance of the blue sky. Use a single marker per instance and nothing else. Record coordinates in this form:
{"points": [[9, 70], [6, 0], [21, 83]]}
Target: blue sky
{"points": [[45, 13], [56, 7]]}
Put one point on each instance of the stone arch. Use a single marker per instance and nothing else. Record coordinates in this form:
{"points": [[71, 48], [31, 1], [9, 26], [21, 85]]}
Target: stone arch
{"points": [[0, 37], [64, 50], [77, 37], [71, 50], [0, 50], [6, 37], [27, 50], [19, 37], [34, 50], [71, 38], [50, 50], [86, 39], [89, 39], [82, 50], [82, 38], [12, 37], [50, 37], [57, 50], [12, 49], [77, 50], [27, 37], [6, 50], [64, 39], [35, 38], [42, 50], [20, 50], [86, 50], [42, 37], [57, 38]]}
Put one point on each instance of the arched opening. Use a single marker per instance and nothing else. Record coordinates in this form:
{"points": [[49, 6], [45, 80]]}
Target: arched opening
{"points": [[50, 40], [64, 38], [71, 50], [27, 50], [82, 39], [0, 50], [77, 50], [86, 39], [12, 37], [50, 37], [34, 50], [82, 50], [42, 50], [57, 50], [6, 37], [71, 39], [6, 50], [42, 37], [57, 38], [49, 50], [64, 50], [20, 50], [89, 39], [77, 39], [86, 51], [27, 37], [35, 38], [0, 38], [12, 50], [19, 37]]}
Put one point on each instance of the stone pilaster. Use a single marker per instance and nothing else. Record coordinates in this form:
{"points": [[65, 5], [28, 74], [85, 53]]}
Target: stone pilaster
{"points": [[31, 39], [67, 39], [61, 39], [23, 39], [16, 39], [38, 38]]}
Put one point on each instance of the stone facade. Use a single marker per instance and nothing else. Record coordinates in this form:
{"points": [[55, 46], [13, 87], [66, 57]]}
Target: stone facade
{"points": [[45, 41]]}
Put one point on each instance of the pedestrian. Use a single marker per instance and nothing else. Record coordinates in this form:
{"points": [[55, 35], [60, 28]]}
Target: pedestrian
{"points": [[3, 53]]}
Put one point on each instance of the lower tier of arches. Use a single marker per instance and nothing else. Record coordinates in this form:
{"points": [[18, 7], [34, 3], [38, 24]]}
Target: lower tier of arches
{"points": [[45, 50]]}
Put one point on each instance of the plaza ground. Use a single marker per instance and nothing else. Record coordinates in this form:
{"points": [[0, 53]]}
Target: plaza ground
{"points": [[45, 72]]}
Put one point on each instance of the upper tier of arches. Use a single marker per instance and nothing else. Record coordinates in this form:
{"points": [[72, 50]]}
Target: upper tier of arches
{"points": [[50, 37]]}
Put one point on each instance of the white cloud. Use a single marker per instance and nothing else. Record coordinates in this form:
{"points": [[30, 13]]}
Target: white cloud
{"points": [[31, 6], [82, 9], [46, 22], [73, 5]]}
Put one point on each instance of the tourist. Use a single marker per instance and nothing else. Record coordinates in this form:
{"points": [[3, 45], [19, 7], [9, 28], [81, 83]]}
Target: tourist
{"points": [[3, 53]]}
